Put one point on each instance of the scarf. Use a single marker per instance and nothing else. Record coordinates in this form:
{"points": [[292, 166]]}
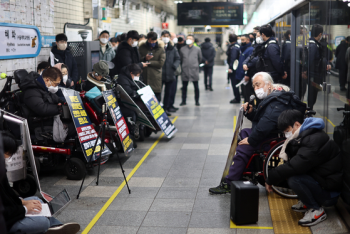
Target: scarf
{"points": [[283, 154]]}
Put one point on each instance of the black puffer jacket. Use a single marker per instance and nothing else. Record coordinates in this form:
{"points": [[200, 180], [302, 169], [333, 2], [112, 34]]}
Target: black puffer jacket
{"points": [[172, 61], [66, 57], [37, 98], [314, 154], [208, 53], [125, 55], [265, 117], [125, 80]]}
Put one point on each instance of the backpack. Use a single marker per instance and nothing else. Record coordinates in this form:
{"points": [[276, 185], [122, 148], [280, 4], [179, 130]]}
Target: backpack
{"points": [[264, 65]]}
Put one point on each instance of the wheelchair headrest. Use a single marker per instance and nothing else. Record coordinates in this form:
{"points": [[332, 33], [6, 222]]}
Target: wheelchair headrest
{"points": [[19, 75]]}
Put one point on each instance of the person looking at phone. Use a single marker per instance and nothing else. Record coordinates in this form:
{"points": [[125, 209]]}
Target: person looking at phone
{"points": [[152, 50], [16, 209]]}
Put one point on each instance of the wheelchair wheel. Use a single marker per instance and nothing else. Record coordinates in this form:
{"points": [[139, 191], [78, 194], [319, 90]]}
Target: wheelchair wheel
{"points": [[272, 160], [75, 169], [26, 187]]}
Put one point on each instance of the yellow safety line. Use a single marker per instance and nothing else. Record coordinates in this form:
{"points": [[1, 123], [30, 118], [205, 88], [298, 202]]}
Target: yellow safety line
{"points": [[330, 122], [232, 225], [115, 194], [234, 122]]}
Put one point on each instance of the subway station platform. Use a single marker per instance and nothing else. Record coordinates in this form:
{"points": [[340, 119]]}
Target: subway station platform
{"points": [[169, 181]]}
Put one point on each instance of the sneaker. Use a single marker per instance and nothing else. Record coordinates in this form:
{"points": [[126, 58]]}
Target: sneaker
{"points": [[68, 228], [313, 217], [299, 207], [223, 188], [234, 101]]}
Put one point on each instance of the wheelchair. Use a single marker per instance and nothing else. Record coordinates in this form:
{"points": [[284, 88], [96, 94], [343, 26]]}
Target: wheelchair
{"points": [[257, 169], [48, 153]]}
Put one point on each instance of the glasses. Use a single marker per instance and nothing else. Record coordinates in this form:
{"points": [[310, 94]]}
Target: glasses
{"points": [[55, 83]]}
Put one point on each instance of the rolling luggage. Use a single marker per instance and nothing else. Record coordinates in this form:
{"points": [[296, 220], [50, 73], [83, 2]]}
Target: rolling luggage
{"points": [[244, 202]]}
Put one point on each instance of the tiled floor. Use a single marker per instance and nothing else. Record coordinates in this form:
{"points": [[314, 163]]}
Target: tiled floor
{"points": [[169, 191]]}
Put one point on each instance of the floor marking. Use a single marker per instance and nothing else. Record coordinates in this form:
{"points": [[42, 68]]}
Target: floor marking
{"points": [[232, 225], [115, 194], [330, 122]]}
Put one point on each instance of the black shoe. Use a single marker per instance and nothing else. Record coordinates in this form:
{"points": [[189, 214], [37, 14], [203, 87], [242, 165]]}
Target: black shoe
{"points": [[183, 104], [175, 108], [206, 87], [68, 228], [343, 89], [234, 101], [172, 109], [223, 188], [197, 104], [168, 113], [211, 89]]}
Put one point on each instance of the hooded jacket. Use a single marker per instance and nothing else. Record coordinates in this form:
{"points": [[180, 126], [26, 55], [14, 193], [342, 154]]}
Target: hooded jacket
{"points": [[109, 54], [265, 117], [152, 74], [37, 98], [246, 51], [312, 153], [66, 57], [172, 61], [125, 55], [208, 53]]}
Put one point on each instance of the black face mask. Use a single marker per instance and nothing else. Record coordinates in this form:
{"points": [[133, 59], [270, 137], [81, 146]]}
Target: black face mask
{"points": [[243, 43], [251, 39]]}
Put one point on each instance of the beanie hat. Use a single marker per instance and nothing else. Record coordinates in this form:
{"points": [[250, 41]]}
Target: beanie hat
{"points": [[101, 68]]}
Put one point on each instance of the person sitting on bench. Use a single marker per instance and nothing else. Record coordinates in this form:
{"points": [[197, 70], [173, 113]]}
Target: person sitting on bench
{"points": [[312, 166], [16, 209]]}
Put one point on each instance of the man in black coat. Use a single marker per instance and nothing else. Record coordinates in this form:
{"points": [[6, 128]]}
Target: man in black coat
{"points": [[341, 63], [171, 63], [63, 54], [208, 56], [264, 126], [127, 53], [312, 167], [233, 53], [286, 53]]}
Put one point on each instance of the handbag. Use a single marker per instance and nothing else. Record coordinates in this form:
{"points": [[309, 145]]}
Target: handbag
{"points": [[60, 131]]}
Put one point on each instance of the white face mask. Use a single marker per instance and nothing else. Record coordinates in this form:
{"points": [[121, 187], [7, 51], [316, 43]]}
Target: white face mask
{"points": [[189, 41], [261, 93], [62, 46], [41, 72], [104, 40], [136, 78], [166, 40], [239, 41], [52, 89], [65, 78], [289, 134], [259, 40], [134, 44], [175, 40]]}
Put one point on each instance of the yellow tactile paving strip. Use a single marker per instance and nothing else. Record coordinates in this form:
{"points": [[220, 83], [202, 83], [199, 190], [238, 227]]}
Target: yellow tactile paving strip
{"points": [[285, 220]]}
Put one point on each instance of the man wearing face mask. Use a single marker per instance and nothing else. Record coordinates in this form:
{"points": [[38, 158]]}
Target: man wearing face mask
{"points": [[63, 54], [208, 56], [152, 51], [286, 53], [127, 53], [233, 53], [312, 166], [191, 57], [107, 52], [172, 61], [264, 125]]}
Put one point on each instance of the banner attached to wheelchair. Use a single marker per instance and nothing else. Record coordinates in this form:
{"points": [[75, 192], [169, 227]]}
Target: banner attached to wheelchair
{"points": [[85, 130], [234, 144], [158, 113], [119, 121]]}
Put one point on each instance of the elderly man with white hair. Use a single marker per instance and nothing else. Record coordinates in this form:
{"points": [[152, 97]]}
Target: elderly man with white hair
{"points": [[274, 100]]}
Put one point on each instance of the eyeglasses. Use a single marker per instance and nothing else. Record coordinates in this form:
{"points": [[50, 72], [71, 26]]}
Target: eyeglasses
{"points": [[55, 83]]}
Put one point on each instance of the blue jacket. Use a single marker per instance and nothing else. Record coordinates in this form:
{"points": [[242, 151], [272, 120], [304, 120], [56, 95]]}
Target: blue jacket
{"points": [[246, 51], [232, 54], [311, 122]]}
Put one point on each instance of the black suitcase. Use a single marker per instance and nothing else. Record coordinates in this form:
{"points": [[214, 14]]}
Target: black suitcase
{"points": [[244, 202]]}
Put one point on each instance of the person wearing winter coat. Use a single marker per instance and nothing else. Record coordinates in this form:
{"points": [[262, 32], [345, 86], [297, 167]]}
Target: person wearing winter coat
{"points": [[191, 57], [63, 54], [208, 56], [264, 125], [152, 51], [286, 55], [347, 60], [341, 64], [172, 62], [312, 166], [233, 53], [107, 52]]}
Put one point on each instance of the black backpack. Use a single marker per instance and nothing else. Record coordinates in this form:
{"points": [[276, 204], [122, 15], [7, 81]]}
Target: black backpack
{"points": [[264, 65]]}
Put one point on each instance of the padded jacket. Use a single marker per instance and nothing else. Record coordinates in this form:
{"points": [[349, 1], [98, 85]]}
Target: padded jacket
{"points": [[125, 80], [233, 53], [314, 154], [66, 57], [246, 51], [172, 61], [208, 53], [37, 98], [265, 117]]}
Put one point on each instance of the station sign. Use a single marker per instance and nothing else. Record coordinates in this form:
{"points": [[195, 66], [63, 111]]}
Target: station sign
{"points": [[19, 41]]}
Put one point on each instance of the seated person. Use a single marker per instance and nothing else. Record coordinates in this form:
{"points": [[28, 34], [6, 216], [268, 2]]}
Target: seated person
{"points": [[15, 208], [96, 77], [65, 82], [42, 66], [312, 167], [39, 96], [264, 126]]}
